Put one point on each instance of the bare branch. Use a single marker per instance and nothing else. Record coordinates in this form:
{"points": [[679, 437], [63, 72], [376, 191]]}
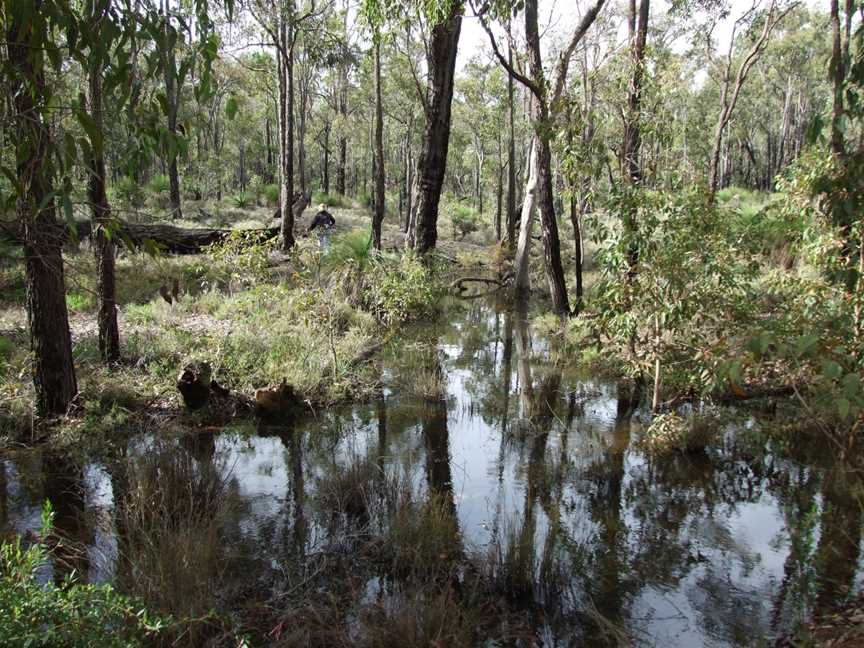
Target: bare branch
{"points": [[564, 62], [528, 83]]}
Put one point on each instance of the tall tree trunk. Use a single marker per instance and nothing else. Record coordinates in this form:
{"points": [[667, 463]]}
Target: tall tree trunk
{"points": [[301, 136], [378, 216], [521, 283], [729, 90], [511, 158], [632, 131], [169, 62], [545, 198], [499, 190], [837, 67], [575, 220], [50, 341], [342, 103], [106, 284], [432, 163], [409, 176], [268, 142], [285, 54], [325, 163]]}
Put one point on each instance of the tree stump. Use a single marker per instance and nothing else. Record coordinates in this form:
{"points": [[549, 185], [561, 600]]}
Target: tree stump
{"points": [[194, 384], [277, 402]]}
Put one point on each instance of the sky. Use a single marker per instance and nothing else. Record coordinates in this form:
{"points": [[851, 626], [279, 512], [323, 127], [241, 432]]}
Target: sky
{"points": [[558, 18]]}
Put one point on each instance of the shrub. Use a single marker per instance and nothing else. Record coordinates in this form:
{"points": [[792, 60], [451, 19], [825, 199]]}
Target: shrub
{"points": [[128, 191], [244, 254], [75, 614], [331, 200], [271, 194], [77, 301], [465, 220], [159, 184], [402, 290], [671, 432]]}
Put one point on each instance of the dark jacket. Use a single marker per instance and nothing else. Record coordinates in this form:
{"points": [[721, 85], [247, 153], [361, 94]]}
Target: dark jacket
{"points": [[323, 219]]}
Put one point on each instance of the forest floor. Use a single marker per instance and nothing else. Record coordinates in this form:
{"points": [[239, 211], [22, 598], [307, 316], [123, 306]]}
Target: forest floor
{"points": [[257, 315]]}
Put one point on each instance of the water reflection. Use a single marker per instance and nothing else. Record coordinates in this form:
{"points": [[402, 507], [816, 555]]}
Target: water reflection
{"points": [[535, 464]]}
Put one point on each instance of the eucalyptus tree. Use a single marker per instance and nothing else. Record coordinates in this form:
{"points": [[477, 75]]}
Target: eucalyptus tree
{"points": [[29, 31], [378, 215], [732, 82], [278, 20], [99, 38], [432, 159], [444, 18], [545, 99]]}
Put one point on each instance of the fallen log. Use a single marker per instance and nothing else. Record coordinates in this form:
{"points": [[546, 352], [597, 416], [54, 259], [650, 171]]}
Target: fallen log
{"points": [[168, 238], [171, 239], [459, 284]]}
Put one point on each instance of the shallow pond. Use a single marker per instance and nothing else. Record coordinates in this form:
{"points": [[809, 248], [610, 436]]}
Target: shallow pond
{"points": [[537, 467]]}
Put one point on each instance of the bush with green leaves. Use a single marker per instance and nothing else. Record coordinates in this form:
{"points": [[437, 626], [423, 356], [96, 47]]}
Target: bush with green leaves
{"points": [[465, 220], [688, 298], [331, 200], [242, 256], [128, 191], [159, 183], [271, 194], [402, 289], [70, 615]]}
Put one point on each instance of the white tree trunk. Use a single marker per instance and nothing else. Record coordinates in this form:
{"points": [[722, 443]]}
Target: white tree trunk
{"points": [[523, 250]]}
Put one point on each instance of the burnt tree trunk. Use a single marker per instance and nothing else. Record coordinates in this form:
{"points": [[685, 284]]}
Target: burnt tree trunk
{"points": [[378, 216], [50, 341], [103, 245], [285, 54], [545, 198], [432, 162]]}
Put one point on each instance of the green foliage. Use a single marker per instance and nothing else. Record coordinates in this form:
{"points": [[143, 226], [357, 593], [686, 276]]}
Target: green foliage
{"points": [[672, 432], [465, 220], [159, 184], [402, 290], [271, 194], [689, 292], [242, 200], [242, 256], [351, 248], [129, 192], [73, 614], [78, 301], [331, 200]]}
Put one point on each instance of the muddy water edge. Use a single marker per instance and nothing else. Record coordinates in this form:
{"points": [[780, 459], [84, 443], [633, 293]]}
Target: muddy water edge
{"points": [[493, 493]]}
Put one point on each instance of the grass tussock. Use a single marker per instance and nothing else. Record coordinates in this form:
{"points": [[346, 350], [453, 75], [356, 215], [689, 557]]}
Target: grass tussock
{"points": [[174, 513]]}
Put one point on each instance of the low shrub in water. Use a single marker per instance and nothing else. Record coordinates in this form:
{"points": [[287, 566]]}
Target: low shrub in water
{"points": [[74, 614]]}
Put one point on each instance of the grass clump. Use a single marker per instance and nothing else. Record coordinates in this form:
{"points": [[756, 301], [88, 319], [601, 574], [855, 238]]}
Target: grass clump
{"points": [[175, 513], [69, 615], [242, 200]]}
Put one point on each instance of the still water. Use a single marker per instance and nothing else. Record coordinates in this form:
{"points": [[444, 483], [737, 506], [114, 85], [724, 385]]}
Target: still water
{"points": [[535, 458]]}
